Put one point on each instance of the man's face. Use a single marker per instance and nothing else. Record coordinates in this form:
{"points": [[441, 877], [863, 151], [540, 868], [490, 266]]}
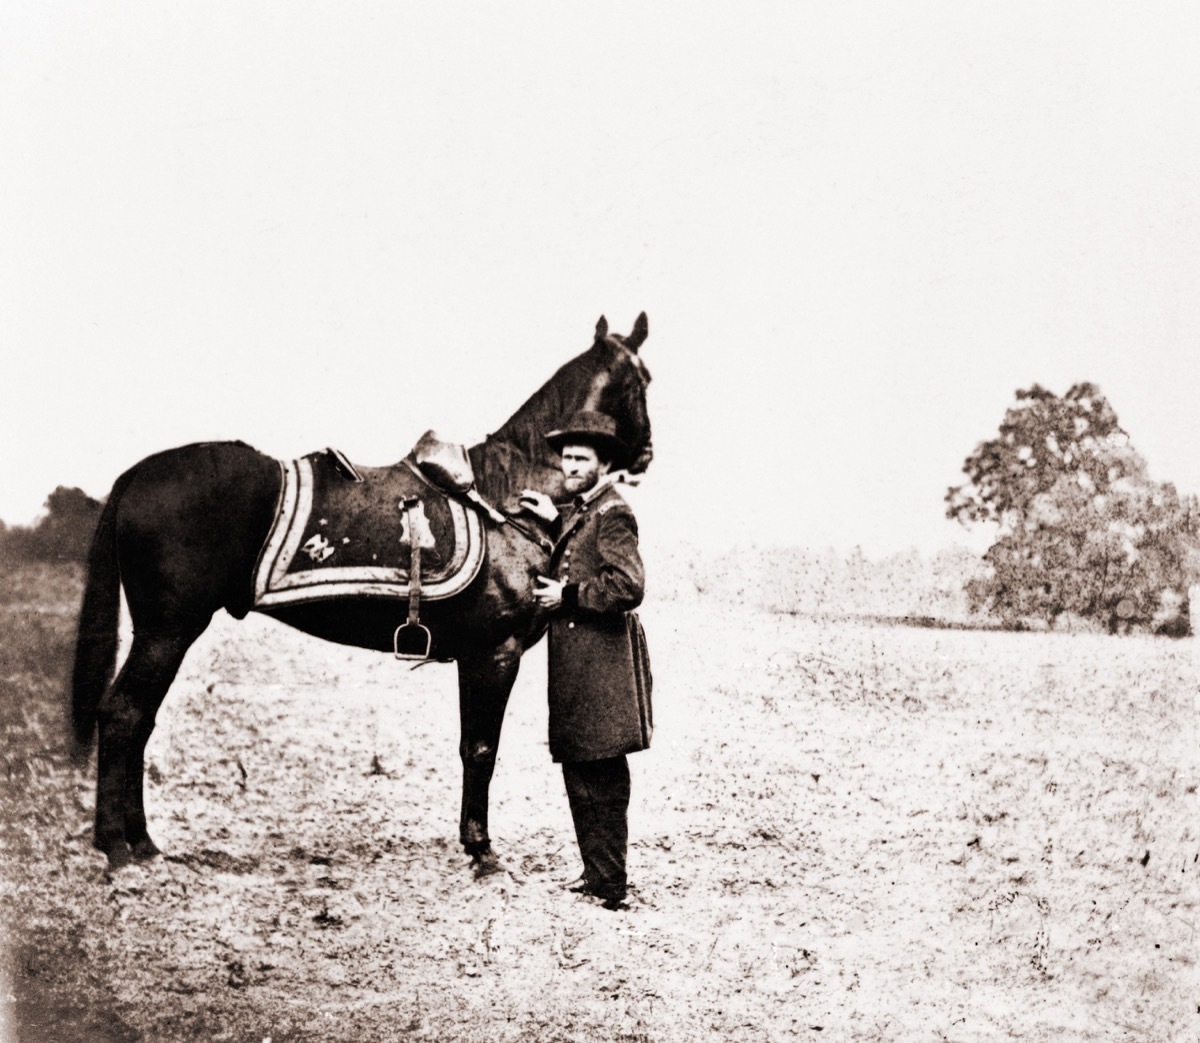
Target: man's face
{"points": [[582, 468]]}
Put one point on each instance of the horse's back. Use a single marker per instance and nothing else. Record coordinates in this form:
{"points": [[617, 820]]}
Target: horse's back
{"points": [[190, 524]]}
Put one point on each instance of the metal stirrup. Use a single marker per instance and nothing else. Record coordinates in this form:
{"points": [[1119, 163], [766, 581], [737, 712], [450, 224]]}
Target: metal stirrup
{"points": [[414, 632]]}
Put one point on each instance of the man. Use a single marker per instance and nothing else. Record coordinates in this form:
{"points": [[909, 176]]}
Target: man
{"points": [[599, 670]]}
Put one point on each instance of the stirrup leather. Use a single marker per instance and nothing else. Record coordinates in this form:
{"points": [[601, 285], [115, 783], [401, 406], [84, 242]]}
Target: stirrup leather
{"points": [[412, 639]]}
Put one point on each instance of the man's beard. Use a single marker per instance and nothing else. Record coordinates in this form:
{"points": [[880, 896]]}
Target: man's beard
{"points": [[580, 483]]}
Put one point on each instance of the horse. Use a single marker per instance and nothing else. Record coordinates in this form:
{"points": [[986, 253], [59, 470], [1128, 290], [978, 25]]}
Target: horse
{"points": [[181, 533]]}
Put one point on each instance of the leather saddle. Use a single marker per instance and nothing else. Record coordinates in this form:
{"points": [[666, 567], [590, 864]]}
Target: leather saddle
{"points": [[445, 464]]}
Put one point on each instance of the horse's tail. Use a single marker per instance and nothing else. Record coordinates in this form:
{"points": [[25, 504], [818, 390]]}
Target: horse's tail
{"points": [[96, 644]]}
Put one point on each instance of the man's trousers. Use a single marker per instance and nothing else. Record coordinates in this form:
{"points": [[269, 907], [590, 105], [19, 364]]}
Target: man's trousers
{"points": [[598, 792]]}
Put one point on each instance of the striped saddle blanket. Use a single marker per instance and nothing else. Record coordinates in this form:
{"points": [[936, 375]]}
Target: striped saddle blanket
{"points": [[342, 531]]}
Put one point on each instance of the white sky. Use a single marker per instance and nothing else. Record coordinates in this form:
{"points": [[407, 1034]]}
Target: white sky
{"points": [[856, 228]]}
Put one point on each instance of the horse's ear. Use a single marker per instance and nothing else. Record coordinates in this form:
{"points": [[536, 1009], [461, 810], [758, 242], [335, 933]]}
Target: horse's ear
{"points": [[602, 328], [641, 330]]}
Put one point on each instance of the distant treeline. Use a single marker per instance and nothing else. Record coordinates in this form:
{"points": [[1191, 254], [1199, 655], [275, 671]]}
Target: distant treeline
{"points": [[802, 581], [63, 534], [930, 590]]}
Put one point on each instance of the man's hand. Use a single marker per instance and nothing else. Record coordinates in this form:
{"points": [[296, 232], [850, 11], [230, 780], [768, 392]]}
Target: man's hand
{"points": [[548, 593], [538, 504]]}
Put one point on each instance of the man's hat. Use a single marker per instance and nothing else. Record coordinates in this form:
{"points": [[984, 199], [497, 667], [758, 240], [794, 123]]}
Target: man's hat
{"points": [[598, 430]]}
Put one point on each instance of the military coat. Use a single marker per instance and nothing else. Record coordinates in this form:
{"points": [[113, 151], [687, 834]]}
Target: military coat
{"points": [[599, 667]]}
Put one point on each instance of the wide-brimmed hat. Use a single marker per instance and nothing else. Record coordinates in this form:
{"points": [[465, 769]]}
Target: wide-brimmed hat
{"points": [[598, 430]]}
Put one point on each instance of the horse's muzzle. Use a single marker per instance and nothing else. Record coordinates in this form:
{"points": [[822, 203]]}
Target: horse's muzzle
{"points": [[640, 464]]}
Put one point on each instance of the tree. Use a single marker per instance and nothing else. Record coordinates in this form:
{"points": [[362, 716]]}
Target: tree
{"points": [[63, 534], [1041, 439], [1081, 527]]}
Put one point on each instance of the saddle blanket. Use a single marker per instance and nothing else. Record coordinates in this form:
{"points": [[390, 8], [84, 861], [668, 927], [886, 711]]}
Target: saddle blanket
{"points": [[334, 537]]}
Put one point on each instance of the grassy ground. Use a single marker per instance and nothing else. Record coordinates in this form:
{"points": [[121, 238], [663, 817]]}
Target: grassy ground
{"points": [[843, 832]]}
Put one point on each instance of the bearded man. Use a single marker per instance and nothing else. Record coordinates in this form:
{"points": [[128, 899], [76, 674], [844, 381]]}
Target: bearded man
{"points": [[599, 668]]}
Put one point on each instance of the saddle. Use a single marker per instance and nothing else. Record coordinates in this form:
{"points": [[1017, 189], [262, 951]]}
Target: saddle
{"points": [[409, 531], [445, 464], [448, 467], [343, 531]]}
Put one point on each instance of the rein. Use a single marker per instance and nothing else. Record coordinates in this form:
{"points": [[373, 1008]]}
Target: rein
{"points": [[544, 542]]}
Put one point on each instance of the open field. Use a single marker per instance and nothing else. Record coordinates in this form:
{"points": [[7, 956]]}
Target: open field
{"points": [[844, 831]]}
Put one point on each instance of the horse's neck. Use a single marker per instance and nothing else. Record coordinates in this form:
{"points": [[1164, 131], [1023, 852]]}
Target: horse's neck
{"points": [[517, 456], [503, 469]]}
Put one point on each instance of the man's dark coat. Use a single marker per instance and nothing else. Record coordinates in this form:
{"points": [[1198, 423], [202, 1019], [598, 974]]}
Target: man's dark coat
{"points": [[599, 666]]}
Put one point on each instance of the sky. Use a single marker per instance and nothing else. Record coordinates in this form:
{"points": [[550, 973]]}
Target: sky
{"points": [[856, 228]]}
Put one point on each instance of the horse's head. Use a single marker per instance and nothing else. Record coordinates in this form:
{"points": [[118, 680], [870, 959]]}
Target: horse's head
{"points": [[618, 388], [609, 377]]}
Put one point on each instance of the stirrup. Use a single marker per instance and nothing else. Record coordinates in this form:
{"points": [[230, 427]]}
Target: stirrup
{"points": [[417, 636]]}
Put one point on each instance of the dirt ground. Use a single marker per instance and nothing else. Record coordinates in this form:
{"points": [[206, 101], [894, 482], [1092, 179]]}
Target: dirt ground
{"points": [[844, 831]]}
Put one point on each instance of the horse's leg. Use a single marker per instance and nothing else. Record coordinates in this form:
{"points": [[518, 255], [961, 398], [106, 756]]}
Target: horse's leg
{"points": [[126, 718], [484, 683]]}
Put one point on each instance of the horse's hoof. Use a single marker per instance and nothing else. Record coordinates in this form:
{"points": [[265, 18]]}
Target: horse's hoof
{"points": [[488, 867], [485, 862], [117, 853], [144, 850]]}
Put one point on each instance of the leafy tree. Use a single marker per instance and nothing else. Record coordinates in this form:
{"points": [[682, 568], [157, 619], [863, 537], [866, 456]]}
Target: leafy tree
{"points": [[1041, 439], [1082, 528]]}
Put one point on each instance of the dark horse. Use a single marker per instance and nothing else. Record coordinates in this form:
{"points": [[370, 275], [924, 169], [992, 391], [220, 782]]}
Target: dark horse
{"points": [[181, 532]]}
